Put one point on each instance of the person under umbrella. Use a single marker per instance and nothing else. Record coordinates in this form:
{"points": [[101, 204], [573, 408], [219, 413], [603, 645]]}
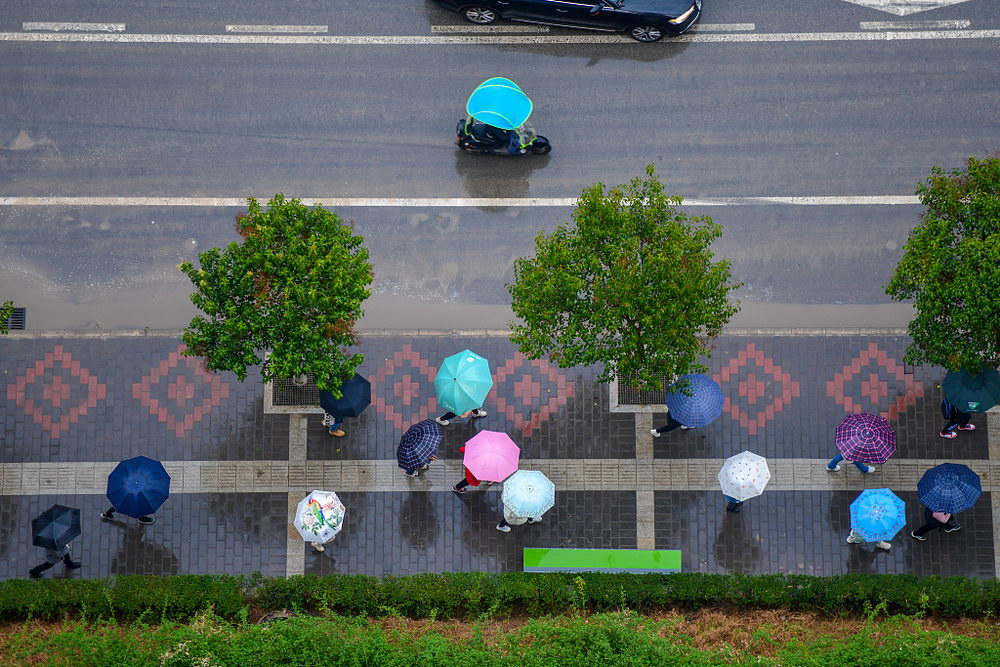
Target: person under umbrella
{"points": [[527, 495], [862, 439], [876, 516], [319, 517], [696, 404], [137, 487], [53, 530], [965, 393], [742, 477], [945, 490], [489, 455], [355, 396], [418, 447], [462, 385], [955, 420]]}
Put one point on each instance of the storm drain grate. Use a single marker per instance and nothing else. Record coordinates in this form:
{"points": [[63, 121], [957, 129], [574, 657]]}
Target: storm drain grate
{"points": [[18, 319], [286, 392], [631, 396]]}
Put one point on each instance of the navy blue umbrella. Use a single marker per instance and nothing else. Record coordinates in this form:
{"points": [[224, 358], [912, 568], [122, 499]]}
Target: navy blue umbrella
{"points": [[138, 486], [419, 444], [701, 405], [356, 395], [949, 487], [55, 527]]}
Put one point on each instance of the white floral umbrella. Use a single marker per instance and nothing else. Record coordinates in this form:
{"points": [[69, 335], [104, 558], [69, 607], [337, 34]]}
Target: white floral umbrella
{"points": [[320, 516], [744, 476]]}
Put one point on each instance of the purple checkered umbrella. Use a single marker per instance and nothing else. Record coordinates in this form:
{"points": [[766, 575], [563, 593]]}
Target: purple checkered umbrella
{"points": [[866, 438], [419, 444]]}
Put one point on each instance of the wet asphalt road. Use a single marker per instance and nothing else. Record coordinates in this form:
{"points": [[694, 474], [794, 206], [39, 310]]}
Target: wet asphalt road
{"points": [[718, 120]]}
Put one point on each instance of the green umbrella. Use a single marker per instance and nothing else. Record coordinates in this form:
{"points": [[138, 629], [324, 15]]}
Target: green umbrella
{"points": [[972, 393], [463, 381]]}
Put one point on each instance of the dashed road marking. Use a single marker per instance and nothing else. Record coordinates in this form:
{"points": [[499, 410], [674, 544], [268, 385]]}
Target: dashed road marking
{"points": [[489, 29], [957, 24], [725, 27], [301, 29], [73, 27]]}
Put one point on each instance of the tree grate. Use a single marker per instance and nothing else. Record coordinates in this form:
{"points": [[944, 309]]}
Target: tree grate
{"points": [[18, 319], [285, 392], [631, 396]]}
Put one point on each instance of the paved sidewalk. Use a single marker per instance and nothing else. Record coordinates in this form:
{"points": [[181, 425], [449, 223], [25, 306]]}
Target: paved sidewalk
{"points": [[71, 407]]}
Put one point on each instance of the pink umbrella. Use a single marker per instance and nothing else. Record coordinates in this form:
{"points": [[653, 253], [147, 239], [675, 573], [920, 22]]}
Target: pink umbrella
{"points": [[491, 456]]}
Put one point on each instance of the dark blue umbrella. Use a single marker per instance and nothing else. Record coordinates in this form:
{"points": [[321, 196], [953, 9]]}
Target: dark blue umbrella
{"points": [[972, 392], [356, 395], [949, 487], [419, 444], [138, 486], [55, 527], [700, 405]]}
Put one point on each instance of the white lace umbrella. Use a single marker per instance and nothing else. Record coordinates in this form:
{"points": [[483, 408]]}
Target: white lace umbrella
{"points": [[744, 476], [320, 516]]}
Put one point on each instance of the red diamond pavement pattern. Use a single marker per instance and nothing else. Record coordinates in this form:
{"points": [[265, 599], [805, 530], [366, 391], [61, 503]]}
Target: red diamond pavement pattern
{"points": [[81, 395], [773, 382], [519, 370], [186, 410], [410, 380], [872, 390]]}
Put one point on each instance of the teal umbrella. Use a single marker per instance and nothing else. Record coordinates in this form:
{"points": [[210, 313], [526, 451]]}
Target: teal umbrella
{"points": [[499, 102], [463, 382], [972, 392]]}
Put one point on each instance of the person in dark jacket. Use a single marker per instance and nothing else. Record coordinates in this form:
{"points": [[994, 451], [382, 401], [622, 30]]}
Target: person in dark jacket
{"points": [[955, 420], [933, 521], [53, 556]]}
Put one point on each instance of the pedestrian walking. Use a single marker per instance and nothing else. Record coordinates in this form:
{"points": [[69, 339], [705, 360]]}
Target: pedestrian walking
{"points": [[834, 465], [743, 477], [934, 520], [109, 515], [863, 438], [446, 418], [955, 420], [854, 538], [53, 556], [695, 400], [462, 384], [334, 425], [669, 426], [527, 495], [469, 480], [355, 396], [509, 519], [733, 505], [418, 447]]}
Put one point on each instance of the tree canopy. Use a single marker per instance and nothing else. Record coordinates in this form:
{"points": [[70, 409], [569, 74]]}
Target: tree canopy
{"points": [[293, 286], [631, 283], [6, 310], [951, 269]]}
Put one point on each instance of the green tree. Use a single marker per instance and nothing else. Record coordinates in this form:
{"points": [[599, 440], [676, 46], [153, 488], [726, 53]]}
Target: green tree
{"points": [[6, 310], [293, 286], [951, 269], [630, 283]]}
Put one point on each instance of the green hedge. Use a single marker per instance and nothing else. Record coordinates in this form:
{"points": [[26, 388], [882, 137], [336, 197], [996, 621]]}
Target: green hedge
{"points": [[470, 595]]}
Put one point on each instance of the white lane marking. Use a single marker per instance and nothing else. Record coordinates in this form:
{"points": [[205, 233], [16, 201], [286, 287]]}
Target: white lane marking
{"points": [[452, 202], [904, 7], [73, 27], [417, 40], [725, 27], [957, 24], [304, 29], [461, 29]]}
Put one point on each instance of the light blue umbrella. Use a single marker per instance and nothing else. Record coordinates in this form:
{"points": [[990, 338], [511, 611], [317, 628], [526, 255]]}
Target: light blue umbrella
{"points": [[528, 493], [463, 382], [499, 102], [877, 514]]}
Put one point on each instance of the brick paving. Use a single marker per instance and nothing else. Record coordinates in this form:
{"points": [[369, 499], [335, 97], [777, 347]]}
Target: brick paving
{"points": [[71, 407]]}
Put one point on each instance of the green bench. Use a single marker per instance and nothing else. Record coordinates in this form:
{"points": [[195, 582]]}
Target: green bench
{"points": [[639, 561]]}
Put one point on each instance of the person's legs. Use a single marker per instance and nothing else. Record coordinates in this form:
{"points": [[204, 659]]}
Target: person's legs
{"points": [[36, 572], [963, 422], [503, 526], [733, 504], [834, 463], [336, 428], [479, 413], [411, 472], [147, 520], [666, 428], [69, 562], [949, 428], [444, 419], [867, 469], [460, 487], [853, 538], [109, 515]]}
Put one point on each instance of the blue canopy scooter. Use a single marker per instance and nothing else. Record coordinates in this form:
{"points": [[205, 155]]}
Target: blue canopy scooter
{"points": [[497, 122]]}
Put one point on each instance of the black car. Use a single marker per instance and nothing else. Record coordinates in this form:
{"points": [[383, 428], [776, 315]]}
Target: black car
{"points": [[644, 20]]}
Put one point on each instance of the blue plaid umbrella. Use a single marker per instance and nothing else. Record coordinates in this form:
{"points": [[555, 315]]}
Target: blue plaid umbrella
{"points": [[877, 514], [949, 487], [356, 395], [55, 527], [138, 486], [702, 407], [419, 444]]}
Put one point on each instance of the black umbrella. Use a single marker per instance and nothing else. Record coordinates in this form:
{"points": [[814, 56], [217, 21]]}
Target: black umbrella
{"points": [[356, 396], [55, 527]]}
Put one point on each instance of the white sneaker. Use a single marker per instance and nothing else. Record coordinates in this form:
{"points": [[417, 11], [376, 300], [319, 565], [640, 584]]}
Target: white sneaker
{"points": [[833, 469], [318, 547], [656, 434], [479, 414], [883, 545], [443, 422], [503, 529], [851, 540], [869, 470], [686, 428]]}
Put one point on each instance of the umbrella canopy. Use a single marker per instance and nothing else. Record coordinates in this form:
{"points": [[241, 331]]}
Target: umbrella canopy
{"points": [[877, 514], [972, 392], [528, 493], [356, 395], [138, 486], [744, 475], [702, 406], [55, 527], [419, 444], [463, 382], [319, 516], [866, 438], [491, 456], [499, 102], [949, 487]]}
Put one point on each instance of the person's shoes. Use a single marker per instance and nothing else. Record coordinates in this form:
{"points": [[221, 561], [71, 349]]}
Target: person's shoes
{"points": [[734, 507], [953, 528], [834, 468], [318, 547], [967, 427], [917, 537], [457, 490], [948, 434], [851, 540], [147, 520], [531, 520], [686, 428], [656, 434], [883, 545], [424, 466], [479, 414], [34, 575], [339, 433], [443, 422], [107, 517], [73, 564], [503, 529], [415, 473], [869, 470]]}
